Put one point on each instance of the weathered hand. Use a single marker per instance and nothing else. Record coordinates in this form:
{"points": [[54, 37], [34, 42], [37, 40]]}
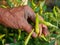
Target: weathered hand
{"points": [[17, 18]]}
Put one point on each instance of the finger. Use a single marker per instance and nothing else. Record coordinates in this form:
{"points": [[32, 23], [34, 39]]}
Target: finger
{"points": [[27, 27], [41, 18], [40, 33], [45, 30]]}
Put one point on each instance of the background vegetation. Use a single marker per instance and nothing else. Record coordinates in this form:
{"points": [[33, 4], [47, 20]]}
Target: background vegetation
{"points": [[50, 11]]}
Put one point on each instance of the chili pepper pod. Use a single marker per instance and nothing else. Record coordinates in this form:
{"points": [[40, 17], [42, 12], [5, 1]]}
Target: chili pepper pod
{"points": [[3, 6], [47, 24], [28, 37], [37, 24], [58, 9], [19, 34], [43, 37], [13, 3], [55, 12]]}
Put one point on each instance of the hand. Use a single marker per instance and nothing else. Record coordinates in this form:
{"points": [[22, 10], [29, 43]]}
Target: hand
{"points": [[18, 18]]}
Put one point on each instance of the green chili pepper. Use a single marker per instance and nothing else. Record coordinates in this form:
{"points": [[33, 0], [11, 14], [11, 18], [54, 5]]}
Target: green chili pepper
{"points": [[42, 36], [37, 24], [1, 36], [13, 3], [3, 41], [47, 23], [29, 36], [54, 11], [33, 3], [58, 9], [19, 35], [3, 6]]}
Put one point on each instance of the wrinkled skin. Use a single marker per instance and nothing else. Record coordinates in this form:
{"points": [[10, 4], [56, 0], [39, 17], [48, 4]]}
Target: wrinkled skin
{"points": [[17, 18]]}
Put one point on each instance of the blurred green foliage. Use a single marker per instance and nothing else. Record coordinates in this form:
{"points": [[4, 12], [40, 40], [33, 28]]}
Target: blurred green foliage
{"points": [[18, 37]]}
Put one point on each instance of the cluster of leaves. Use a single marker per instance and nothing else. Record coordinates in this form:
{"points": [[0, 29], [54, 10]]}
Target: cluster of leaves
{"points": [[18, 37]]}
